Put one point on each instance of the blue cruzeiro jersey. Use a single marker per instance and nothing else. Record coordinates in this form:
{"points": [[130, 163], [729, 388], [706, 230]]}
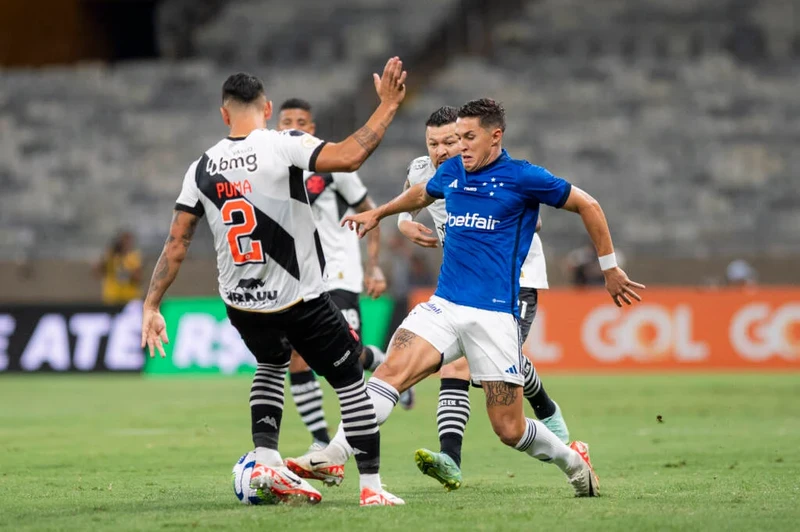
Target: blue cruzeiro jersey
{"points": [[491, 219]]}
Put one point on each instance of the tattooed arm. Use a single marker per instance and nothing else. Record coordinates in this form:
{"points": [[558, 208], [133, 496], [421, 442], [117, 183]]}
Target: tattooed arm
{"points": [[154, 330], [180, 236], [350, 154]]}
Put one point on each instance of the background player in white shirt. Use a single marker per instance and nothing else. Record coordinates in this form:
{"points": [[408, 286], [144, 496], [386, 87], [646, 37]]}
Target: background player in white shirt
{"points": [[454, 406], [249, 186], [333, 195]]}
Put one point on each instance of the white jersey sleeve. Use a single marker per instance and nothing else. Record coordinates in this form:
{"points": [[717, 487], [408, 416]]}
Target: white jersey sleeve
{"points": [[421, 170], [189, 198], [298, 148], [350, 187]]}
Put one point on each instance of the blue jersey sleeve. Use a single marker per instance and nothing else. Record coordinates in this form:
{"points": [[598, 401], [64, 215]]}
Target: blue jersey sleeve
{"points": [[543, 187], [434, 187]]}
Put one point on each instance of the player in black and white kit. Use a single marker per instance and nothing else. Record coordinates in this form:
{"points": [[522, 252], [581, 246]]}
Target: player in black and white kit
{"points": [[333, 195], [454, 407], [249, 186]]}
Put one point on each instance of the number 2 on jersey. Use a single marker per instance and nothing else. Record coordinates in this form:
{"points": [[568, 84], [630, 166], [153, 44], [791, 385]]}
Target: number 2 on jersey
{"points": [[240, 230]]}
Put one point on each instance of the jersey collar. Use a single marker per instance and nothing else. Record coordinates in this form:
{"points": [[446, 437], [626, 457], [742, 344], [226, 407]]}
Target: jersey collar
{"points": [[504, 156]]}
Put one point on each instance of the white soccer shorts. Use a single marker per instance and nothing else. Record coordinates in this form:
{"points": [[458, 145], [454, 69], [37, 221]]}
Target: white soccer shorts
{"points": [[489, 339]]}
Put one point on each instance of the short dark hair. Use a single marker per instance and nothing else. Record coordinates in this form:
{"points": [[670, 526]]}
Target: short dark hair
{"points": [[296, 103], [490, 113], [242, 87], [442, 116]]}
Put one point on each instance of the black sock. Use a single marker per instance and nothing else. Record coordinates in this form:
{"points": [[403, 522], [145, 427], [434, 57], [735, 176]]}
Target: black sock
{"points": [[266, 404], [452, 415], [360, 425], [307, 396], [535, 393]]}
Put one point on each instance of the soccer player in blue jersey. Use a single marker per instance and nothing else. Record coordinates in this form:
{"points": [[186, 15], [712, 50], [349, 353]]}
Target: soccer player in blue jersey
{"points": [[492, 204]]}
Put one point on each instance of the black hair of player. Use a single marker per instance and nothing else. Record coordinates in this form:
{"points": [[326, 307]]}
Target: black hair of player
{"points": [[442, 116], [242, 88], [296, 103], [490, 113]]}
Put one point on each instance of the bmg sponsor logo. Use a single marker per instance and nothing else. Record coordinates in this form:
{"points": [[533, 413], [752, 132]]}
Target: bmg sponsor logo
{"points": [[224, 164]]}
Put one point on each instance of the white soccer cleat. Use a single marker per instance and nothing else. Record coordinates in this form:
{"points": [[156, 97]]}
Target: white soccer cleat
{"points": [[317, 466], [584, 480], [369, 497], [283, 485], [316, 446]]}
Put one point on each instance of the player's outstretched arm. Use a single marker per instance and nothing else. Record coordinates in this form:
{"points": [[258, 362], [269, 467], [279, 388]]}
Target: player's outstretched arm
{"points": [[350, 154], [617, 282], [415, 231], [181, 231], [374, 280], [414, 198]]}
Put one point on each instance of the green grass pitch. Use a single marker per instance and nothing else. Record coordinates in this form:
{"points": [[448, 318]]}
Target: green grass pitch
{"points": [[127, 453]]}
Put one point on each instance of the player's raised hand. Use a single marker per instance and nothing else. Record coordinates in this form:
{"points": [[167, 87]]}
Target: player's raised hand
{"points": [[374, 282], [154, 331], [391, 86], [363, 222], [418, 234], [620, 287]]}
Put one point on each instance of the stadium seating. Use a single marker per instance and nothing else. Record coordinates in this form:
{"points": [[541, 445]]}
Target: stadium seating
{"points": [[679, 139], [335, 31], [674, 128], [111, 144]]}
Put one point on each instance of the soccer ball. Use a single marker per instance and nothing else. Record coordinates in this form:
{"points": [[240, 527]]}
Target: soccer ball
{"points": [[241, 482]]}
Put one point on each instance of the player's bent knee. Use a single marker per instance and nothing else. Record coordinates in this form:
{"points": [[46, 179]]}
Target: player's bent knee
{"points": [[509, 431], [508, 421], [345, 375]]}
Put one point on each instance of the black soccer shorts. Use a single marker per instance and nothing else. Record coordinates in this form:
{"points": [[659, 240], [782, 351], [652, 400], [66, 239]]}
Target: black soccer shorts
{"points": [[348, 303], [316, 329]]}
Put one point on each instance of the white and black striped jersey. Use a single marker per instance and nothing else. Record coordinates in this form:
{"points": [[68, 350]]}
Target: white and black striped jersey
{"points": [[534, 269], [251, 191], [332, 197]]}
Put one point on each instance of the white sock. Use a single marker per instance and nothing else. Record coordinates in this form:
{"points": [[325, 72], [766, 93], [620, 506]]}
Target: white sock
{"points": [[268, 457], [338, 450], [372, 481], [543, 445], [384, 398]]}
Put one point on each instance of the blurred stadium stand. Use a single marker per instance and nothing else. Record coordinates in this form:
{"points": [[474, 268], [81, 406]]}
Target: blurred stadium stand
{"points": [[681, 116]]}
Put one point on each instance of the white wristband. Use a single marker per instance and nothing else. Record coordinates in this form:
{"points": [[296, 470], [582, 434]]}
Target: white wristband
{"points": [[404, 217], [608, 261]]}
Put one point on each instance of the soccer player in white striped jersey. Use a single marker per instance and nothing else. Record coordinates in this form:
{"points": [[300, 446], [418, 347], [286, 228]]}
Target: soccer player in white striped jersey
{"points": [[249, 187], [454, 408], [333, 195]]}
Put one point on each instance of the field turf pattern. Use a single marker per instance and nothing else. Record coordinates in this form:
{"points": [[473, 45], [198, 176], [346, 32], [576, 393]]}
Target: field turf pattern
{"points": [[129, 453]]}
